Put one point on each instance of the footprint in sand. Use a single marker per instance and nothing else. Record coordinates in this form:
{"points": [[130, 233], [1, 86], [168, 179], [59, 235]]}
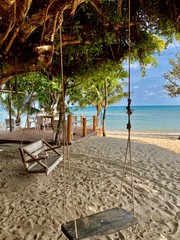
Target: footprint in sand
{"points": [[178, 215], [173, 228], [116, 236]]}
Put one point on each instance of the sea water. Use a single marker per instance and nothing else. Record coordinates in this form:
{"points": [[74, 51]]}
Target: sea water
{"points": [[156, 119], [143, 118]]}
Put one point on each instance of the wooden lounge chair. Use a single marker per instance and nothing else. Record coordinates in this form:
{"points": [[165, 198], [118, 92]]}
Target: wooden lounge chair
{"points": [[36, 159]]}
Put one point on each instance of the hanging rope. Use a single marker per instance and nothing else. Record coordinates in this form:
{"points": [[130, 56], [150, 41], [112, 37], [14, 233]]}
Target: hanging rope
{"points": [[128, 148], [129, 112], [65, 144]]}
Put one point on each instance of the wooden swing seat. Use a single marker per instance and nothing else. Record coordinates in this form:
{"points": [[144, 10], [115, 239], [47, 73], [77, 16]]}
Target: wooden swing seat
{"points": [[102, 223], [36, 159]]}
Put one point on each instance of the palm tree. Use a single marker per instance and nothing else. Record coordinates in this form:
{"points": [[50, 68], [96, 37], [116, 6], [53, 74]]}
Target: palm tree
{"points": [[20, 105]]}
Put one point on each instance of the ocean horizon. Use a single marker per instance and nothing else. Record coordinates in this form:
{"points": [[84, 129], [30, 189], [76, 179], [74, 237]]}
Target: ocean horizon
{"points": [[145, 119], [156, 118]]}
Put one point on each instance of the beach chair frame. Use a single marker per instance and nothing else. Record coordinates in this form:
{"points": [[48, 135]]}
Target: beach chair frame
{"points": [[36, 159]]}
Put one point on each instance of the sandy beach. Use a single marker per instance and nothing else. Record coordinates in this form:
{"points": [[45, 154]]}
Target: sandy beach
{"points": [[32, 205]]}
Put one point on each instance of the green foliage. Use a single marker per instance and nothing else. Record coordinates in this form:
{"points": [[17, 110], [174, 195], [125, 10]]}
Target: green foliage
{"points": [[21, 103], [4, 66], [43, 88], [91, 90], [97, 40], [108, 34], [147, 45], [38, 89], [173, 77], [82, 55]]}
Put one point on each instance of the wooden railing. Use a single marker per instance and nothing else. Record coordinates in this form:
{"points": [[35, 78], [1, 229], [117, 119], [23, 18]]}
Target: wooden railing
{"points": [[84, 122]]}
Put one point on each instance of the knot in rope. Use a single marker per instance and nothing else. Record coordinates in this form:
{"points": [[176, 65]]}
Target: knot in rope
{"points": [[129, 112]]}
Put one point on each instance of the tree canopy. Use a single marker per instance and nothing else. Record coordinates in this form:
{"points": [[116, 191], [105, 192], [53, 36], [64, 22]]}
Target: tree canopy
{"points": [[172, 86], [90, 90], [92, 32]]}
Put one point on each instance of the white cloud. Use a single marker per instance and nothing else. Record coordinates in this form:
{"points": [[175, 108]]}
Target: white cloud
{"points": [[149, 66], [149, 94], [153, 86], [136, 87], [162, 91], [174, 44], [134, 66]]}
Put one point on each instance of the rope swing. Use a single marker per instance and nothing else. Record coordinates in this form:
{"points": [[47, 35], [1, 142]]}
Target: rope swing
{"points": [[66, 158], [111, 220], [129, 112]]}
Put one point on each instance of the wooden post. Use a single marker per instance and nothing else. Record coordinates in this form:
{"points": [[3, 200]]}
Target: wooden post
{"points": [[84, 127], [69, 128], [94, 123], [81, 116], [27, 123]]}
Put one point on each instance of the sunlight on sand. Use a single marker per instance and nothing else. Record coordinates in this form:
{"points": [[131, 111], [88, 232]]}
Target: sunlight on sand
{"points": [[158, 140]]}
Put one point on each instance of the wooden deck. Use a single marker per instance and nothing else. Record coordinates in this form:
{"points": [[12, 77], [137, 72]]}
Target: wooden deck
{"points": [[32, 135]]}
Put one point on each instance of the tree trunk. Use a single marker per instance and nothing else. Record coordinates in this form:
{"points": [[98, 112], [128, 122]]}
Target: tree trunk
{"points": [[105, 107], [10, 109]]}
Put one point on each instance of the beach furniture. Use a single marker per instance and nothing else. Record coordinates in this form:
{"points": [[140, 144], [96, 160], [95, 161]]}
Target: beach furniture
{"points": [[36, 158], [74, 120], [7, 122], [40, 123], [31, 120]]}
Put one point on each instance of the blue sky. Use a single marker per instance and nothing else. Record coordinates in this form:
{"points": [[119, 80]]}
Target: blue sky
{"points": [[149, 89]]}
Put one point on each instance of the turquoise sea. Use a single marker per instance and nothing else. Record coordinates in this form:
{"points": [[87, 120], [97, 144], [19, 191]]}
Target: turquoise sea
{"points": [[156, 119]]}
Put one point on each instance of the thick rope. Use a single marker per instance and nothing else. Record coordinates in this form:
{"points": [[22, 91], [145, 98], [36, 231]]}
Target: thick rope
{"points": [[129, 112], [66, 144]]}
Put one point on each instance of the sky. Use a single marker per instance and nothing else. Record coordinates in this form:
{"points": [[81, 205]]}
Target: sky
{"points": [[149, 89]]}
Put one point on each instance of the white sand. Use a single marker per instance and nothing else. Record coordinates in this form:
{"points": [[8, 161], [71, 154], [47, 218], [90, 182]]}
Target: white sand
{"points": [[31, 206]]}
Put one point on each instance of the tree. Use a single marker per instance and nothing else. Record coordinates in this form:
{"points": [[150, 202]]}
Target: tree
{"points": [[173, 77], [100, 85], [18, 105], [92, 31], [28, 91], [46, 89]]}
